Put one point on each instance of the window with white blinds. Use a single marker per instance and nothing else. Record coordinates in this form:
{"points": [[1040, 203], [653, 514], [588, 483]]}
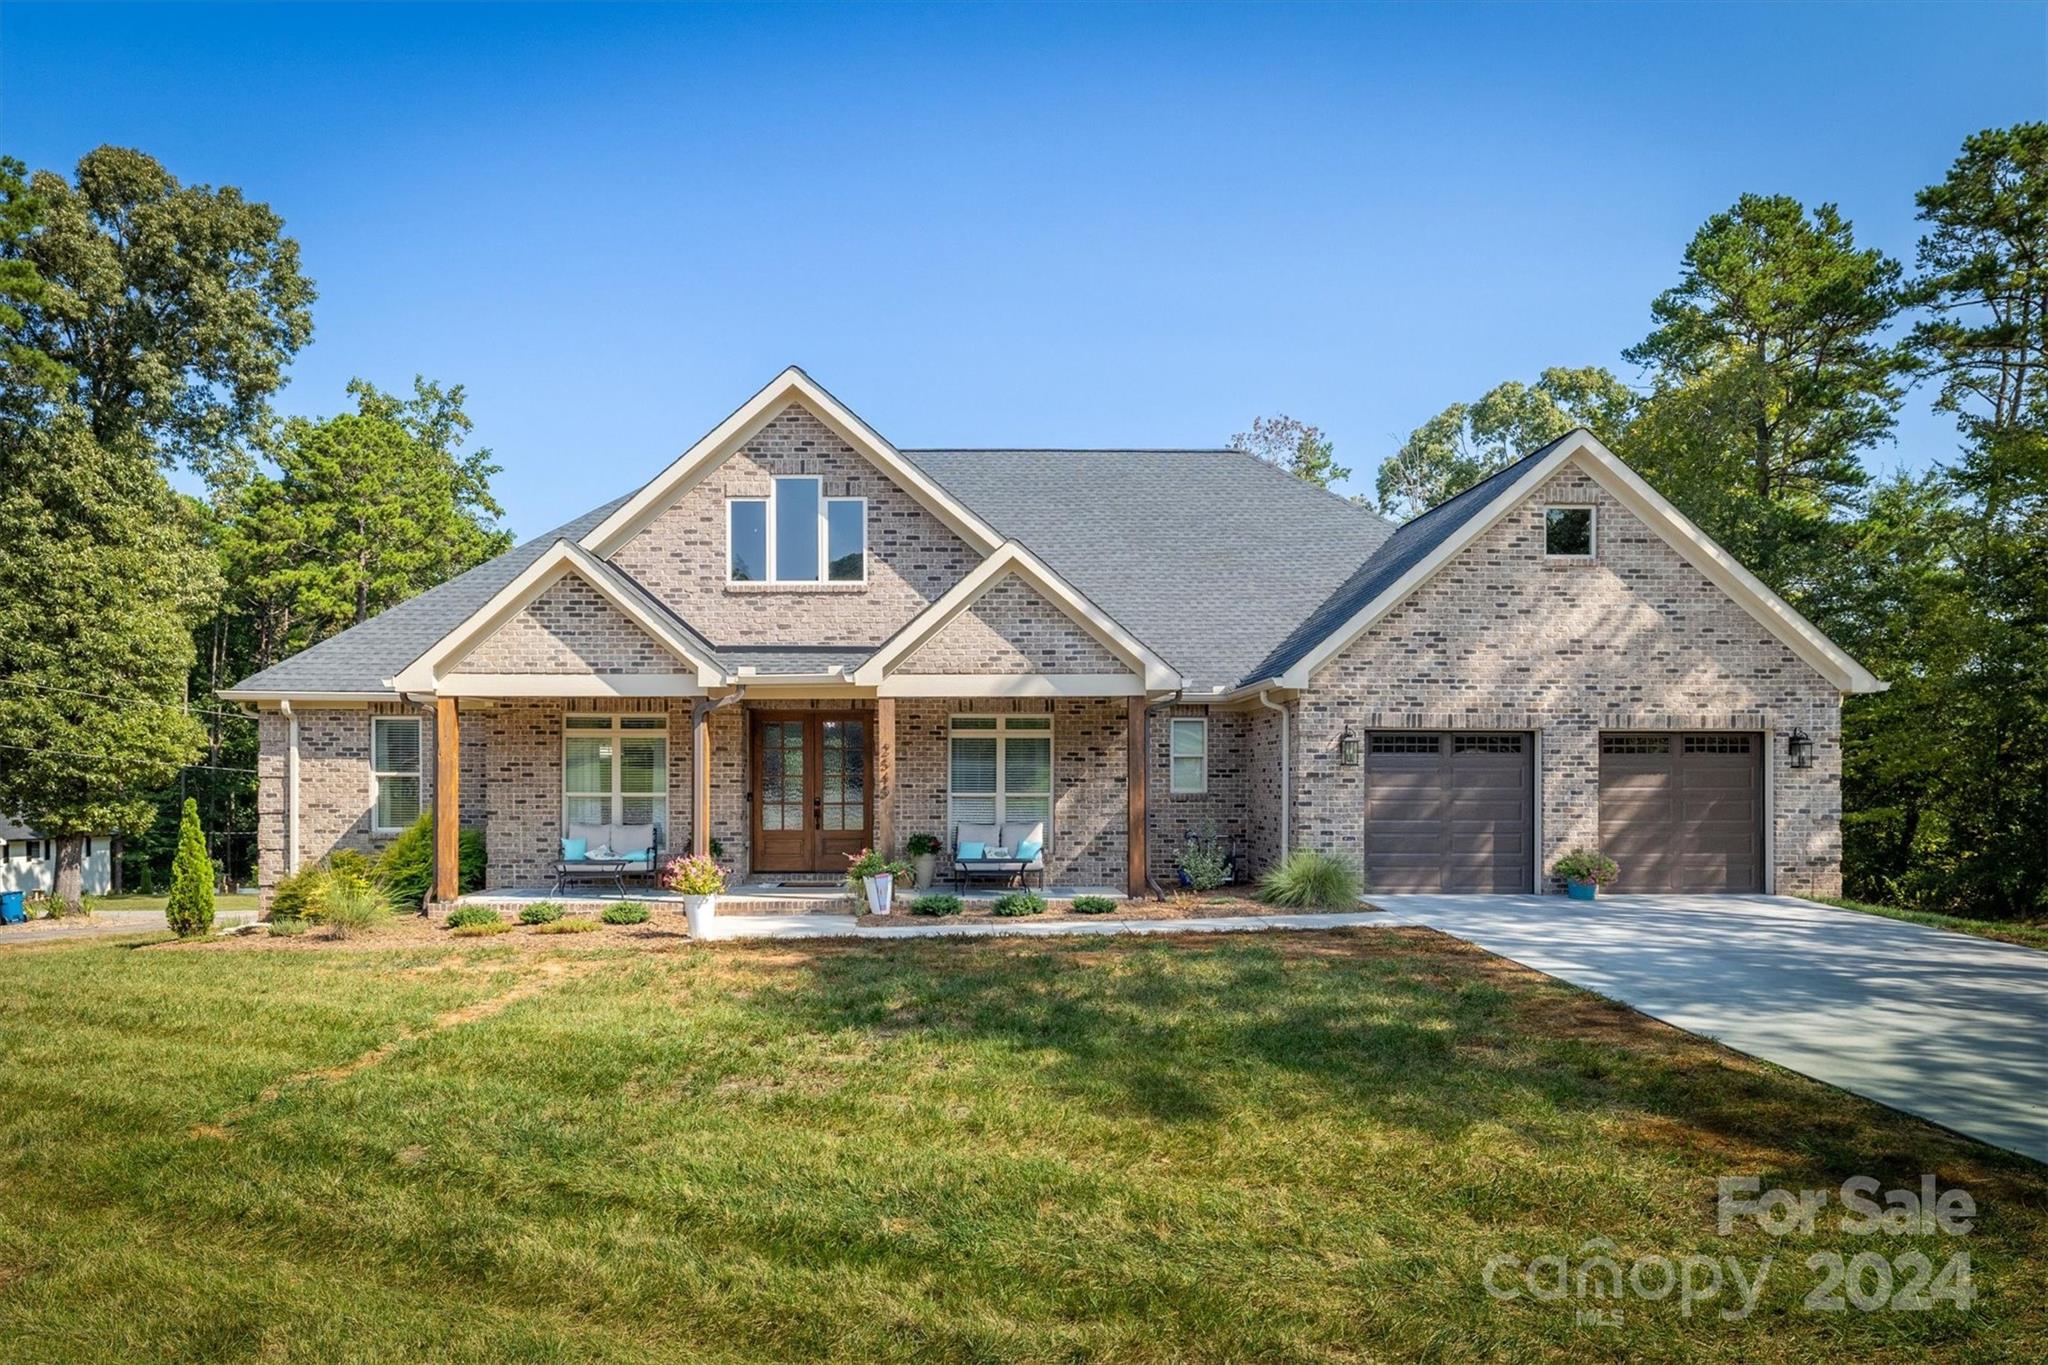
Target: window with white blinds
{"points": [[1000, 770], [395, 770], [615, 770]]}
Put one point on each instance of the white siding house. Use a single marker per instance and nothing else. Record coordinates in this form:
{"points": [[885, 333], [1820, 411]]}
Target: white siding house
{"points": [[28, 861]]}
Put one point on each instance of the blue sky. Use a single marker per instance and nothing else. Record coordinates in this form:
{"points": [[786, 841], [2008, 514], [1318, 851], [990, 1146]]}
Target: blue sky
{"points": [[994, 226]]}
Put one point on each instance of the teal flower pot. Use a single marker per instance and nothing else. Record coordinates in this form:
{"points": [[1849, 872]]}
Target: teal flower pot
{"points": [[1581, 891]]}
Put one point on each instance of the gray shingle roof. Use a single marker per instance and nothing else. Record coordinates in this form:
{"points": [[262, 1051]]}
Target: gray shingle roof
{"points": [[1208, 556], [1406, 548], [794, 658]]}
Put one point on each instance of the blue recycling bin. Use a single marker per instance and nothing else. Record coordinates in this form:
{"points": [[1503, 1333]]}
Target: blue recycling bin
{"points": [[11, 909]]}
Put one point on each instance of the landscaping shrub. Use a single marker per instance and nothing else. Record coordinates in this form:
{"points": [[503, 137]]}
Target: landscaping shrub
{"points": [[1014, 903], [540, 912], [484, 929], [1202, 863], [353, 904], [463, 915], [190, 908], [693, 876], [407, 867], [351, 862], [299, 895], [1586, 865], [566, 926], [1311, 880], [290, 926], [938, 903], [625, 912], [1093, 905]]}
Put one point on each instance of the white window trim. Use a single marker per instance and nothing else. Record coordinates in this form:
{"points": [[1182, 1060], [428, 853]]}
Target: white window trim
{"points": [[824, 578], [1172, 764], [1592, 530], [378, 775], [617, 795], [1001, 732]]}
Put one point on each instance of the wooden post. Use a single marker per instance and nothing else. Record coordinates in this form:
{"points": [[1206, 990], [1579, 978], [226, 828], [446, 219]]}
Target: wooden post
{"points": [[447, 800], [1134, 782], [700, 779], [885, 776]]}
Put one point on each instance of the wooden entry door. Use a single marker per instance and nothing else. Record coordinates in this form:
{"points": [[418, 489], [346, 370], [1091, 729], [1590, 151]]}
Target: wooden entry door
{"points": [[814, 795]]}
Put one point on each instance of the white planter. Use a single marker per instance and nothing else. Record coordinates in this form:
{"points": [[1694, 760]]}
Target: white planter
{"points": [[881, 890], [922, 866], [702, 910]]}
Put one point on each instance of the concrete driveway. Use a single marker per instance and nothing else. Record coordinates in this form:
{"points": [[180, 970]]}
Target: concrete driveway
{"points": [[1952, 1028]]}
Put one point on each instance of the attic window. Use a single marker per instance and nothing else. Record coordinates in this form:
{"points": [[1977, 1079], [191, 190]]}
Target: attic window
{"points": [[1568, 532], [797, 535]]}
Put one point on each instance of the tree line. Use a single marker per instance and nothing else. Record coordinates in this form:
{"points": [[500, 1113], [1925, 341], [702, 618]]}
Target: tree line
{"points": [[1779, 359], [145, 327]]}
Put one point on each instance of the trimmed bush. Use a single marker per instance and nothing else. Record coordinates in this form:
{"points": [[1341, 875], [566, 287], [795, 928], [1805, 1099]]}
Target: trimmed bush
{"points": [[407, 867], [291, 926], [540, 912], [938, 903], [463, 915], [190, 909], [484, 930], [625, 912], [1014, 903], [1311, 880], [299, 895], [1093, 905], [567, 926]]}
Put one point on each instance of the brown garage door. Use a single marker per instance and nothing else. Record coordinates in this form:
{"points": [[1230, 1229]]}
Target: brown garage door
{"points": [[1449, 811], [1683, 812]]}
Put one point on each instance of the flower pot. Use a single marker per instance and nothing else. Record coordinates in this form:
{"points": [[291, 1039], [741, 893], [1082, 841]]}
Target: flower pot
{"points": [[922, 866], [702, 911], [1581, 891], [881, 890]]}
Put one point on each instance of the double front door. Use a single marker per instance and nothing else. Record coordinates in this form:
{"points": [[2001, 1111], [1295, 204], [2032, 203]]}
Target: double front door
{"points": [[813, 785]]}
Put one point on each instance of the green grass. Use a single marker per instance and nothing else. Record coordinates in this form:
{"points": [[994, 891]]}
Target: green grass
{"points": [[2026, 933], [1299, 1146], [231, 901]]}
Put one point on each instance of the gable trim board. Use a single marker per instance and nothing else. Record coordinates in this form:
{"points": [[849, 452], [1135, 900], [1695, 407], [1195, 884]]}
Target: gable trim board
{"points": [[1584, 449], [748, 420], [1150, 673], [438, 669]]}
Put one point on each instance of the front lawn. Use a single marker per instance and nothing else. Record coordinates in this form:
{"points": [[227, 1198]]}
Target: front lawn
{"points": [[2026, 933], [230, 900], [1266, 1146]]}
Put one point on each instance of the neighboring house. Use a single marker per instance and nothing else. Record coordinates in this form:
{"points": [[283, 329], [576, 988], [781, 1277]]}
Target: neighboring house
{"points": [[28, 861], [798, 639]]}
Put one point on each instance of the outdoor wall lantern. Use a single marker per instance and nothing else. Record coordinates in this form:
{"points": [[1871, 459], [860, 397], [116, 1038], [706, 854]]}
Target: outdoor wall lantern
{"points": [[1799, 748], [1348, 747]]}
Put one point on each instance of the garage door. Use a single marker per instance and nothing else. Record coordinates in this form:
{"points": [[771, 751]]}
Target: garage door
{"points": [[1449, 811], [1683, 812]]}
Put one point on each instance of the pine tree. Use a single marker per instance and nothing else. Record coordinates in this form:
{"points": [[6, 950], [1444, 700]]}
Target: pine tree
{"points": [[190, 910]]}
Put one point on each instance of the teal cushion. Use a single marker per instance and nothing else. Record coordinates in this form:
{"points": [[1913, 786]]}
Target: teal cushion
{"points": [[970, 852], [1029, 849], [575, 850]]}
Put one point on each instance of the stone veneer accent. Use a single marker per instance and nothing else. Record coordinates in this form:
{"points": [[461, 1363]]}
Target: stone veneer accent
{"points": [[570, 628], [913, 557], [1012, 628], [1503, 638]]}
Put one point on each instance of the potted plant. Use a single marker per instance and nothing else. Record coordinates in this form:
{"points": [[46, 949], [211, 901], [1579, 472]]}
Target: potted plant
{"points": [[868, 871], [923, 850], [699, 880], [1585, 871]]}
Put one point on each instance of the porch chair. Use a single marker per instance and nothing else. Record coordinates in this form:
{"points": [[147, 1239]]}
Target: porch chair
{"points": [[608, 853], [1022, 841]]}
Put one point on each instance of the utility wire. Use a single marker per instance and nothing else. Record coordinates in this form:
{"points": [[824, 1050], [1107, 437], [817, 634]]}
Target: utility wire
{"points": [[129, 701], [85, 753]]}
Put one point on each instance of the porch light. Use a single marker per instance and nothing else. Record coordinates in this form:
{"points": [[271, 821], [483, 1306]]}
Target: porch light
{"points": [[1348, 747], [1799, 748]]}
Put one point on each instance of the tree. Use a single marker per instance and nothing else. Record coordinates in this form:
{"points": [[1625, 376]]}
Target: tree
{"points": [[26, 373], [100, 585], [174, 308], [1771, 372], [1468, 441], [368, 509], [190, 908], [1295, 446]]}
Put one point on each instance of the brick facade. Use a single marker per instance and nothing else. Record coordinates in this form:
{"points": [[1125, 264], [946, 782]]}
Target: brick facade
{"points": [[1636, 638], [913, 557], [1012, 628], [570, 628], [1223, 812]]}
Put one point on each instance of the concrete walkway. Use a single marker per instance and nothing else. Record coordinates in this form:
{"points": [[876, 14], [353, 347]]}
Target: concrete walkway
{"points": [[1946, 1026]]}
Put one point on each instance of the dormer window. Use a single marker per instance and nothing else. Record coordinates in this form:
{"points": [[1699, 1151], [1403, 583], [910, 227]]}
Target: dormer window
{"points": [[797, 535], [1567, 533]]}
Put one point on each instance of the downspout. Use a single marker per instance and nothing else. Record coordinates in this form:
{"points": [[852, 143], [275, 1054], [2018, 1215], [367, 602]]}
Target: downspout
{"points": [[291, 789], [1286, 777], [1152, 882]]}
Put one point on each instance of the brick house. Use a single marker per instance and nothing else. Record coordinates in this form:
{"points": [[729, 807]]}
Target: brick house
{"points": [[798, 640]]}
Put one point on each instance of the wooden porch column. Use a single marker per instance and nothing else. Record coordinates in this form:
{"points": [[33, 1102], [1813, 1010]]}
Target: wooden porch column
{"points": [[1134, 782], [885, 775], [447, 800], [700, 779]]}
